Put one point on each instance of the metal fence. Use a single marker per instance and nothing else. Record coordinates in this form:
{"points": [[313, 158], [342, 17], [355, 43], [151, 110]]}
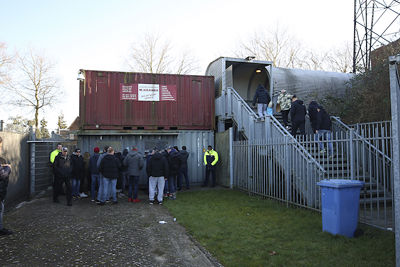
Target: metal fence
{"points": [[273, 168]]}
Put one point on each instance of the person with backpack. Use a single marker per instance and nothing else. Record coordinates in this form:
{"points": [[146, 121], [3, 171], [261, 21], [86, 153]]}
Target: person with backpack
{"points": [[134, 162]]}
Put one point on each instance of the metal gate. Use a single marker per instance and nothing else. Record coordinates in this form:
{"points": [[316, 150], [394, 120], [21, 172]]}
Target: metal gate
{"points": [[41, 174]]}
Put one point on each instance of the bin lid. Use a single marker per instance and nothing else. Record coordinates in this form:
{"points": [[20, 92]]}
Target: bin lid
{"points": [[340, 183]]}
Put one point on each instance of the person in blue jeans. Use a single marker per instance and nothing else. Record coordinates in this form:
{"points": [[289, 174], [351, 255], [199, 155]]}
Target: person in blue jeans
{"points": [[101, 185], [94, 173], [323, 130], [134, 162], [109, 168], [78, 168]]}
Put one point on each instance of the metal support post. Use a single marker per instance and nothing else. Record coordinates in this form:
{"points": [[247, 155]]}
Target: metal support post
{"points": [[394, 63], [231, 158], [351, 150]]}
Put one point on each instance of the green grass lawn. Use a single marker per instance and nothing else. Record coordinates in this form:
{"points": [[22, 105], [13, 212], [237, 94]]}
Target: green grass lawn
{"points": [[250, 231]]}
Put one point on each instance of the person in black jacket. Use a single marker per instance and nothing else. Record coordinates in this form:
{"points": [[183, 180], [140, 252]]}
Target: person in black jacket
{"points": [[183, 170], [298, 116], [78, 169], [63, 172], [109, 168], [157, 169], [94, 172], [5, 170], [174, 162], [312, 113], [262, 98], [323, 130]]}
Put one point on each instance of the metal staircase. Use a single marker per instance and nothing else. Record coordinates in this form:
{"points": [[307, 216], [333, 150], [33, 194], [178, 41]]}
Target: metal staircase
{"points": [[300, 169], [300, 162]]}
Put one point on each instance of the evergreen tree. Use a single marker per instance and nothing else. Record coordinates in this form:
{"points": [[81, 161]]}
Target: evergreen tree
{"points": [[61, 123], [44, 132]]}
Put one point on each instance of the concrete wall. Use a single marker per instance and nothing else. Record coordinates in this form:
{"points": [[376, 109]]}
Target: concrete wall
{"points": [[222, 147], [16, 151]]}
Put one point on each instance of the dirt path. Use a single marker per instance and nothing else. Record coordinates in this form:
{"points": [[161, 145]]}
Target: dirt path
{"points": [[126, 234]]}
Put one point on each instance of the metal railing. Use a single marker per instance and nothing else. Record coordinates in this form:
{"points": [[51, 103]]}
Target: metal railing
{"points": [[291, 158], [271, 169], [276, 172], [378, 133], [274, 164]]}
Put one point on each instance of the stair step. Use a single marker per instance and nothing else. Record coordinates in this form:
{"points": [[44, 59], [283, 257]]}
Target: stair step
{"points": [[374, 200]]}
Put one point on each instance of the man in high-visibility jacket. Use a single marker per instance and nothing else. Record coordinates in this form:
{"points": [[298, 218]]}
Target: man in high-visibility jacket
{"points": [[53, 156], [210, 160], [55, 153]]}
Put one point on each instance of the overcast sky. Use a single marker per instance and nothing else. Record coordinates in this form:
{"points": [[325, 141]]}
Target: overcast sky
{"points": [[97, 34]]}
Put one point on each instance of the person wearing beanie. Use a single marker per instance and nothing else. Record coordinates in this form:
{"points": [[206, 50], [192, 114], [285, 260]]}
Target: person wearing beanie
{"points": [[94, 172]]}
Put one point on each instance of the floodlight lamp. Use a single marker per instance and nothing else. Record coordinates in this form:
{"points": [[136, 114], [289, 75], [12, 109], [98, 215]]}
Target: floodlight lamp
{"points": [[250, 58], [81, 77], [258, 70]]}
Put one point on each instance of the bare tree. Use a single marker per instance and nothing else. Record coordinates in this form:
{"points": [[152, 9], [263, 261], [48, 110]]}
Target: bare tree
{"points": [[284, 50], [277, 46], [34, 85], [155, 55], [341, 59], [18, 124], [5, 62]]}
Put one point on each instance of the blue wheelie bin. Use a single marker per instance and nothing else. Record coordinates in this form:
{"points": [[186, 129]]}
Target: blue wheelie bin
{"points": [[340, 205]]}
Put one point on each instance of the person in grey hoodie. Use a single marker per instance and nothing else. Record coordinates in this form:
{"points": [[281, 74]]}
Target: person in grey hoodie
{"points": [[134, 162]]}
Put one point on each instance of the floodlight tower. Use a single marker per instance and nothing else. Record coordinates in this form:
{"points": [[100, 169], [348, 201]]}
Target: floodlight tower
{"points": [[376, 23]]}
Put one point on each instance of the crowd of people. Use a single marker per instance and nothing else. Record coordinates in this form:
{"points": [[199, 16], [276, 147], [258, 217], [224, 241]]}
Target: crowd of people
{"points": [[290, 105], [111, 172]]}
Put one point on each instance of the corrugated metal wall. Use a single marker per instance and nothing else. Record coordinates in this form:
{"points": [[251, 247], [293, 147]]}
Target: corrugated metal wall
{"points": [[101, 107], [216, 69], [309, 84], [195, 141]]}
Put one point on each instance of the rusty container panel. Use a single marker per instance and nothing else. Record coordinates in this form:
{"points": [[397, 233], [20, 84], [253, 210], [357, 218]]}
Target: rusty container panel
{"points": [[185, 102]]}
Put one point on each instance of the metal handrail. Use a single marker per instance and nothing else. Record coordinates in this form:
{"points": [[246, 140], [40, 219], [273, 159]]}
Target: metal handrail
{"points": [[363, 139], [282, 129]]}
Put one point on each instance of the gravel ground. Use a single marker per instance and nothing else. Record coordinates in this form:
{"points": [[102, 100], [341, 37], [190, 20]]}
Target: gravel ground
{"points": [[126, 234]]}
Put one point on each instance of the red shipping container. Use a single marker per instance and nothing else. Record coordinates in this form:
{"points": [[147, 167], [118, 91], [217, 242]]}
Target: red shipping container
{"points": [[144, 101]]}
